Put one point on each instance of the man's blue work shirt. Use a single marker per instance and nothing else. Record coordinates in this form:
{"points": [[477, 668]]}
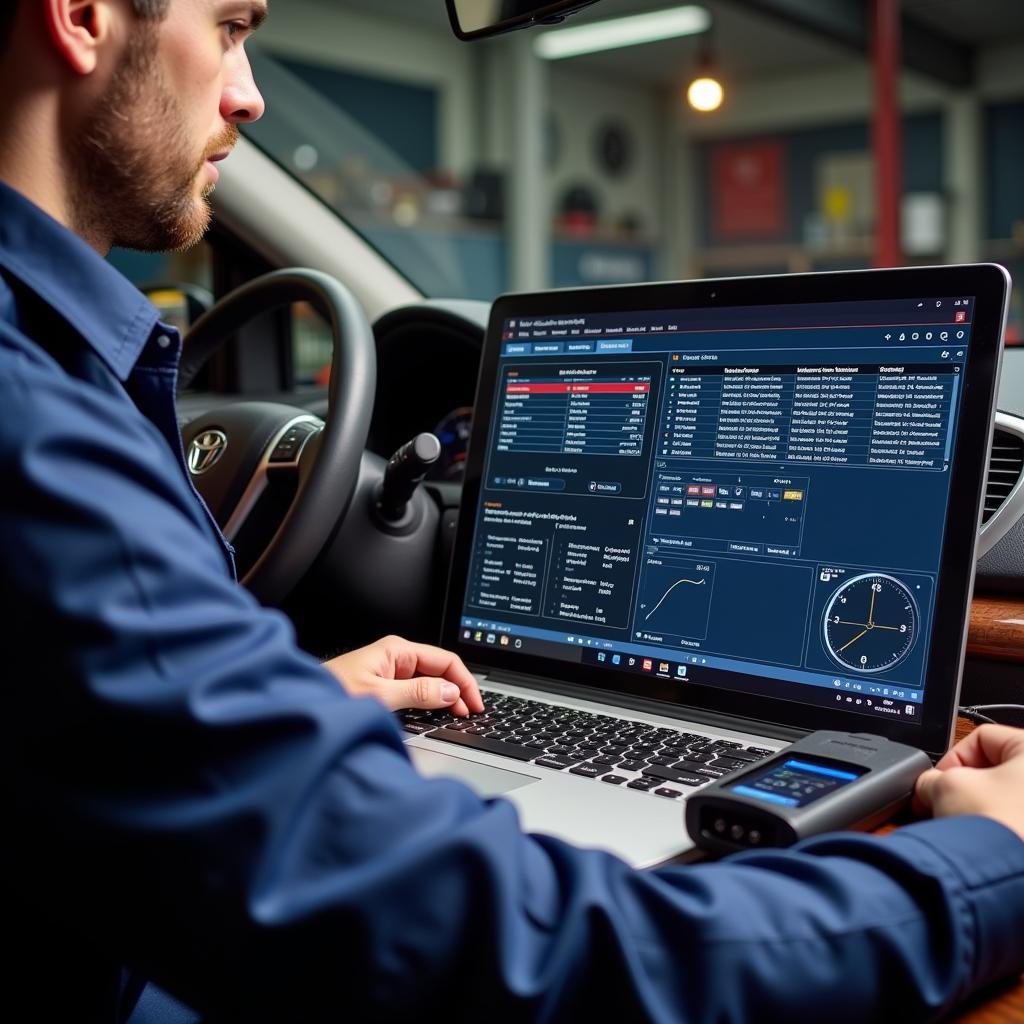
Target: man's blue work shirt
{"points": [[189, 795]]}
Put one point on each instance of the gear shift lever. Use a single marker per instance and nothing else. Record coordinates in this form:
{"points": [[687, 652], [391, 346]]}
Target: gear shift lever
{"points": [[404, 473]]}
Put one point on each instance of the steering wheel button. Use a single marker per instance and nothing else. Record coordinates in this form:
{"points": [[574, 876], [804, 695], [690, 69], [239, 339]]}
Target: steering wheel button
{"points": [[284, 452]]}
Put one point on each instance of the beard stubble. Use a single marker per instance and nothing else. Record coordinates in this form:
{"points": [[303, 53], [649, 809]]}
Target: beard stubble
{"points": [[134, 164]]}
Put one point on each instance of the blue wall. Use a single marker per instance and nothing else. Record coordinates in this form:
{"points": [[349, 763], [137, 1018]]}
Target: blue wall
{"points": [[577, 263]]}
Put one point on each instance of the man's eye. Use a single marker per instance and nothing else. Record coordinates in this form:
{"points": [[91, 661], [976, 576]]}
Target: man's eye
{"points": [[234, 29]]}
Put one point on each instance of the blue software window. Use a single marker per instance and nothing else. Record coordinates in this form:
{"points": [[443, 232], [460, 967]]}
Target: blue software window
{"points": [[755, 494]]}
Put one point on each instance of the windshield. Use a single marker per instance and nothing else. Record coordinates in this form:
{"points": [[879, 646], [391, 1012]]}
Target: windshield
{"points": [[374, 171], [426, 145]]}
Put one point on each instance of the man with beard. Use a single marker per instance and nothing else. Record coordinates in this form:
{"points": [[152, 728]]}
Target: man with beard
{"points": [[189, 796]]}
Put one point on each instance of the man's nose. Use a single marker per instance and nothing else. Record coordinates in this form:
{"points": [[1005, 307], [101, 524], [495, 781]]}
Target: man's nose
{"points": [[242, 102]]}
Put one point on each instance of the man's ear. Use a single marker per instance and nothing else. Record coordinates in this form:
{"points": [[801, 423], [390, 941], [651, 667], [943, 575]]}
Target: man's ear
{"points": [[79, 29]]}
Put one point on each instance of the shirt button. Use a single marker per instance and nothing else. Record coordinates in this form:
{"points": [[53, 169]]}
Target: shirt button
{"points": [[163, 341]]}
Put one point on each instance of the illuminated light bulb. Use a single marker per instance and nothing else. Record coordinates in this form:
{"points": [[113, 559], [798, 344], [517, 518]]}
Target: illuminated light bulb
{"points": [[705, 94]]}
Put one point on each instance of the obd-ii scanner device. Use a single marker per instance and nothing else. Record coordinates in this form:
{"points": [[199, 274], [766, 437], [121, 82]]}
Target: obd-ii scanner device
{"points": [[823, 782]]}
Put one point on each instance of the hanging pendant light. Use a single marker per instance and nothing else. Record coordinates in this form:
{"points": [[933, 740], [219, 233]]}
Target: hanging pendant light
{"points": [[705, 92]]}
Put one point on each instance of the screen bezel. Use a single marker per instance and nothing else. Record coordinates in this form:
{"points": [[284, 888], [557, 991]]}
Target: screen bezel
{"points": [[987, 284]]}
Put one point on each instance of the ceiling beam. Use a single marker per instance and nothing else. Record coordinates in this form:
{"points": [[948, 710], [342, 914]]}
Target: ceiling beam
{"points": [[846, 21]]}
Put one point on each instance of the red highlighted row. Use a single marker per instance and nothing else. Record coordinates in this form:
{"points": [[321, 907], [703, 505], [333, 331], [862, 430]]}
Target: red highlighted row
{"points": [[578, 389]]}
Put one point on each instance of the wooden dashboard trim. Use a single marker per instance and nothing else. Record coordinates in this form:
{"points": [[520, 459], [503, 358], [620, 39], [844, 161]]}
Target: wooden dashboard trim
{"points": [[997, 628]]}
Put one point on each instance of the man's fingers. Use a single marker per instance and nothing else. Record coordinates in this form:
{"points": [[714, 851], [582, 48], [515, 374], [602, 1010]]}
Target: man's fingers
{"points": [[435, 661], [924, 791], [984, 776], [423, 692], [950, 791], [967, 753], [1000, 742], [957, 790], [986, 746]]}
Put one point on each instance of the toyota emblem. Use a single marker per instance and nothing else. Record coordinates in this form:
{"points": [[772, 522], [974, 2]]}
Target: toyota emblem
{"points": [[205, 451]]}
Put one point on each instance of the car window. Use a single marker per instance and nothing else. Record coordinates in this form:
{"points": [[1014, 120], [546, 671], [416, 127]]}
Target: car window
{"points": [[172, 279], [413, 138], [312, 347], [365, 176], [184, 285]]}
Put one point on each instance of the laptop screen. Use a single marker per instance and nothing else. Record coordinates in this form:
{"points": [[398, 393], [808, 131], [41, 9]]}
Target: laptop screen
{"points": [[748, 499]]}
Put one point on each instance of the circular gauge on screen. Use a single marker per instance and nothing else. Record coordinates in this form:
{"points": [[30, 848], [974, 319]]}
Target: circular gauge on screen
{"points": [[453, 433], [871, 623]]}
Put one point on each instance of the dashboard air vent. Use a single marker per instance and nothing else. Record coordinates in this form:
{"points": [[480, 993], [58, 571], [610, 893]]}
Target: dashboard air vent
{"points": [[1004, 470]]}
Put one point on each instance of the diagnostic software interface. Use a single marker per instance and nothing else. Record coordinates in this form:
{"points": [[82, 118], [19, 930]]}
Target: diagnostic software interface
{"points": [[749, 498]]}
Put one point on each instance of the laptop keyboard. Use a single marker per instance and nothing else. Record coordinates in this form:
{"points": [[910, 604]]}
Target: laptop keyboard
{"points": [[617, 751]]}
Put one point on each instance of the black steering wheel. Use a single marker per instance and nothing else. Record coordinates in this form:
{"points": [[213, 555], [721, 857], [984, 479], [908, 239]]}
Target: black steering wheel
{"points": [[241, 456]]}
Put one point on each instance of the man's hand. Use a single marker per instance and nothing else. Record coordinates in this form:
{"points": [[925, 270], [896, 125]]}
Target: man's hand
{"points": [[982, 774], [401, 674]]}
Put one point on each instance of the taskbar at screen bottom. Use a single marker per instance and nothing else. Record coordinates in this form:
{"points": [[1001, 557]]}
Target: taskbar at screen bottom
{"points": [[845, 696]]}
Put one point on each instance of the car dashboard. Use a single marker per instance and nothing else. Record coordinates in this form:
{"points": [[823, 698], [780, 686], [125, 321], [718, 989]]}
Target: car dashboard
{"points": [[427, 361]]}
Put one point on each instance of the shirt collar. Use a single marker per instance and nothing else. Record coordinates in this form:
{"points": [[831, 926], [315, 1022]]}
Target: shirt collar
{"points": [[110, 314]]}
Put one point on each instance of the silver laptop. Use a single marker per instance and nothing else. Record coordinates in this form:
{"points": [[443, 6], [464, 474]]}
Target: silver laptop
{"points": [[700, 520]]}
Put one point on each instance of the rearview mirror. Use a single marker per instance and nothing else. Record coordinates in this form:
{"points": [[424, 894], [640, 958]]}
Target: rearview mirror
{"points": [[475, 19]]}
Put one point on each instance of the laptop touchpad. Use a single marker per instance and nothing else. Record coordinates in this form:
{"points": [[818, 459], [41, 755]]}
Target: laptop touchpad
{"points": [[482, 778]]}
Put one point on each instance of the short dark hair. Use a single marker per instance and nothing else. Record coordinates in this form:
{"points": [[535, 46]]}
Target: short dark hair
{"points": [[151, 9]]}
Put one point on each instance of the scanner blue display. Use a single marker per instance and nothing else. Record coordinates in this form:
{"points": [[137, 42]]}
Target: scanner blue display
{"points": [[796, 783]]}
